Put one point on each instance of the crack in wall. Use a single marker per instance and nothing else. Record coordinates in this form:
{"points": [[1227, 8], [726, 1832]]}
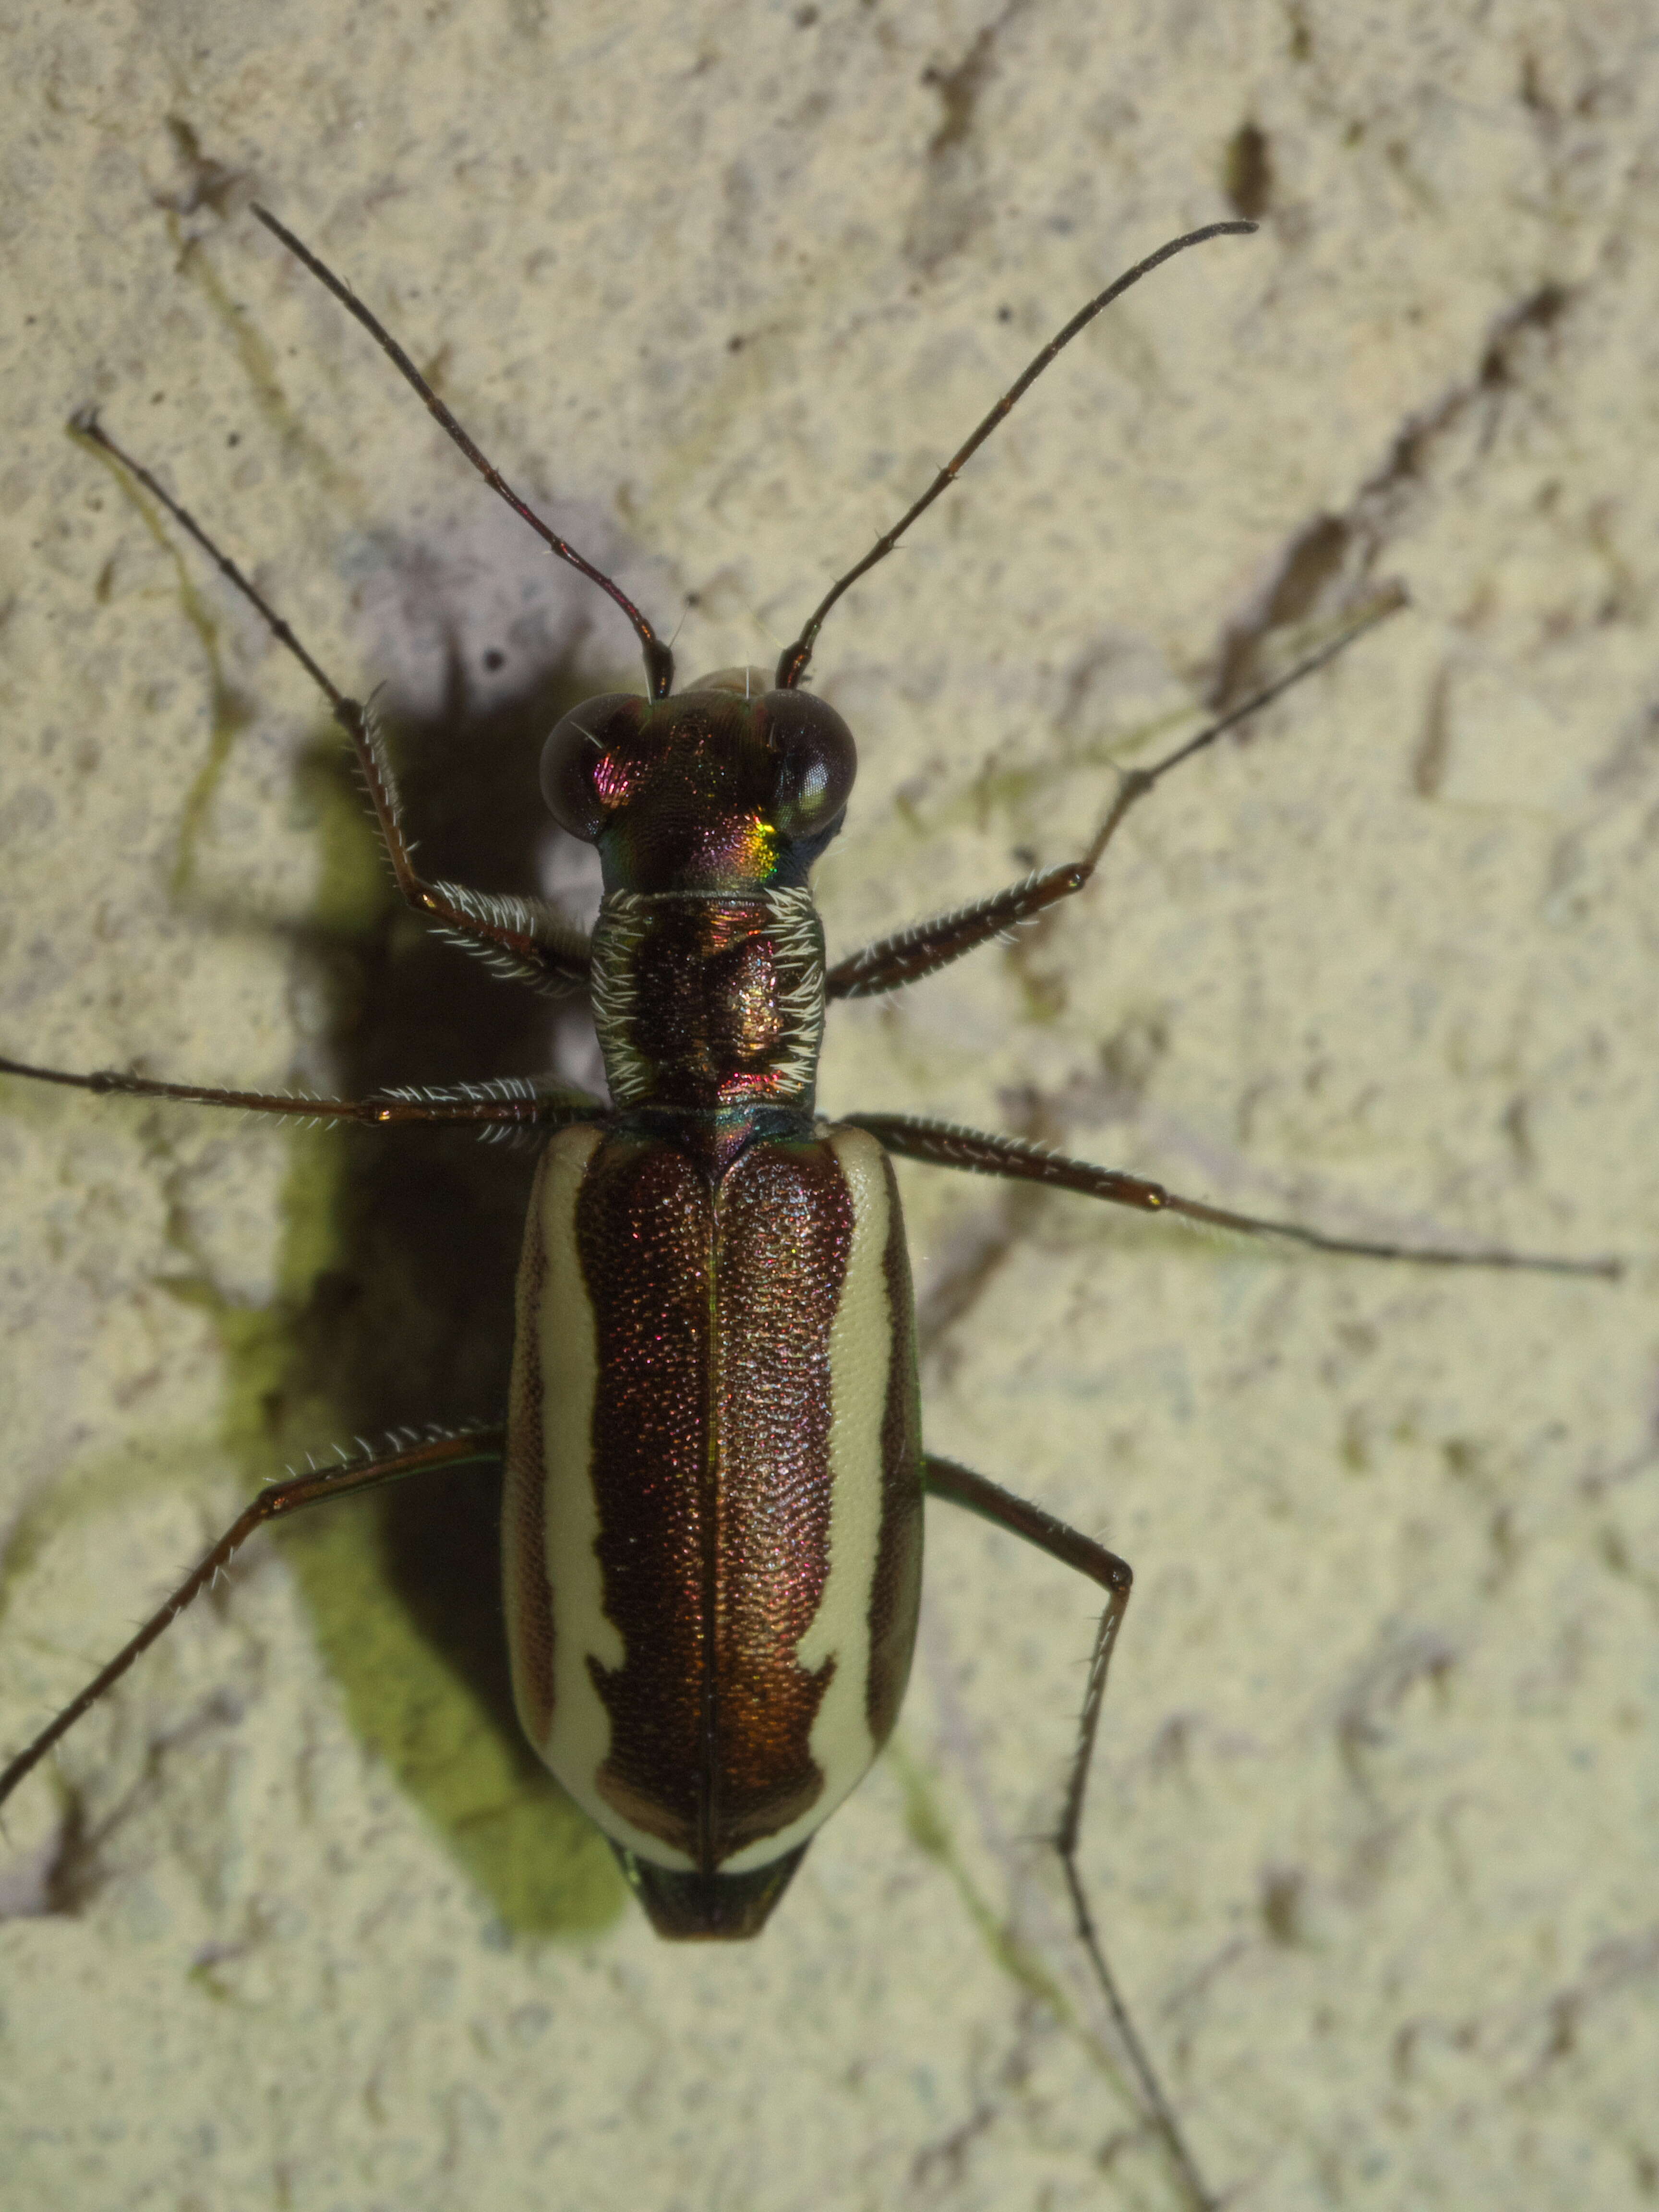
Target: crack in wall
{"points": [[953, 203], [1348, 544]]}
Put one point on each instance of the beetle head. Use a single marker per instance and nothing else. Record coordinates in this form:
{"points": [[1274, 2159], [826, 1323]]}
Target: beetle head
{"points": [[730, 785]]}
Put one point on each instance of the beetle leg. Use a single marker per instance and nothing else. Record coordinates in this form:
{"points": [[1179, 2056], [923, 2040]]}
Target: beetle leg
{"points": [[926, 946], [945, 1146], [521, 1100], [312, 1488], [945, 1477], [524, 936]]}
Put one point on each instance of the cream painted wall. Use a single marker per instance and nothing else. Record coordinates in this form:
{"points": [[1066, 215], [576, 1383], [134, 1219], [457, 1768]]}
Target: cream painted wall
{"points": [[1374, 1832]]}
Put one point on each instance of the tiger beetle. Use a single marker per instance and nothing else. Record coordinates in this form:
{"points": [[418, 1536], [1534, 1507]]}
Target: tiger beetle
{"points": [[714, 1463]]}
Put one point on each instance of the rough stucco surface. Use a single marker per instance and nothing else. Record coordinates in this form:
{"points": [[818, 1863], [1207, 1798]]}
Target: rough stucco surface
{"points": [[1374, 1832]]}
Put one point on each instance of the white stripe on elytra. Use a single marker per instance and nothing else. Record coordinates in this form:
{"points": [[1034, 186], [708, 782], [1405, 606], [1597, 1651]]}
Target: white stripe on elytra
{"points": [[861, 1358], [578, 1741]]}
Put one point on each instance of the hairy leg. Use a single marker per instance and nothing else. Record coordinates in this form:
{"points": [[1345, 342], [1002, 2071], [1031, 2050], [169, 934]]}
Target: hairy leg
{"points": [[312, 1488]]}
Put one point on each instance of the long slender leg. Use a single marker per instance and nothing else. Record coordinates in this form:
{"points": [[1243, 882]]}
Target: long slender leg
{"points": [[283, 1497], [945, 1478], [519, 1101], [944, 1146], [926, 946], [522, 937]]}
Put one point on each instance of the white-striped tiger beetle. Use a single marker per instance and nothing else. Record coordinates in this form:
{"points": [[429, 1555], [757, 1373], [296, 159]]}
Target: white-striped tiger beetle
{"points": [[714, 1463]]}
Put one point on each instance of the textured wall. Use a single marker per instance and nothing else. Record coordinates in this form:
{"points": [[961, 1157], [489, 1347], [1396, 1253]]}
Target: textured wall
{"points": [[1373, 1835]]}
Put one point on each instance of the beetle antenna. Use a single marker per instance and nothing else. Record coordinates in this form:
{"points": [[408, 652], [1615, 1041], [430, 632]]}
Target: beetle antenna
{"points": [[658, 660], [792, 666]]}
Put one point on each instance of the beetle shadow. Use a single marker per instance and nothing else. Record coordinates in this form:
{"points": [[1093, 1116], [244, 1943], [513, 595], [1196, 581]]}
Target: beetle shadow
{"points": [[408, 1321]]}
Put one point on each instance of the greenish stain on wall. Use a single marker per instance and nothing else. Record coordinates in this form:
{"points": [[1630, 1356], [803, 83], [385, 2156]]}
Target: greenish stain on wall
{"points": [[929, 1830], [540, 1862], [256, 358], [227, 711]]}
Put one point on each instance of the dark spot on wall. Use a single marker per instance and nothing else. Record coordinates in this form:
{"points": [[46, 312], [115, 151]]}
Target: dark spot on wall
{"points": [[1282, 1892], [208, 184], [1517, 1129], [1130, 1056], [1247, 178], [1315, 559], [1433, 748], [958, 90], [1540, 311]]}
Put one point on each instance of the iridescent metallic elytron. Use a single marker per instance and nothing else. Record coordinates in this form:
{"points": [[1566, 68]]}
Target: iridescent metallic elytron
{"points": [[713, 1457]]}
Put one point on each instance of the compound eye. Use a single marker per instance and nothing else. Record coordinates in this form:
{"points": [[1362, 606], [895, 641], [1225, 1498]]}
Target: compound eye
{"points": [[584, 763], [814, 759]]}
